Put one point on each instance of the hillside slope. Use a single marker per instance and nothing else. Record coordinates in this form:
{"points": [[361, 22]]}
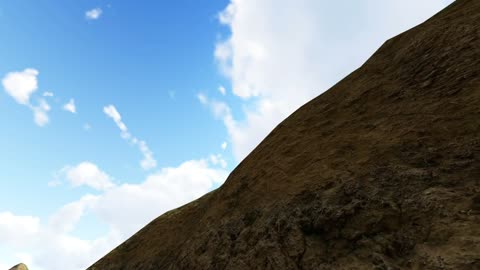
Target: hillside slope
{"points": [[380, 172]]}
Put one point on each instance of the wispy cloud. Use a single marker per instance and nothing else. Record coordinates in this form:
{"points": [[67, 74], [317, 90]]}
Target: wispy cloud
{"points": [[47, 94], [70, 106], [87, 127], [93, 14], [202, 98], [222, 90], [40, 113], [148, 161]]}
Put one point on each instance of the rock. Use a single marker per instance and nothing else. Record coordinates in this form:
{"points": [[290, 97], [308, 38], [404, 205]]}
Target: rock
{"points": [[20, 266]]}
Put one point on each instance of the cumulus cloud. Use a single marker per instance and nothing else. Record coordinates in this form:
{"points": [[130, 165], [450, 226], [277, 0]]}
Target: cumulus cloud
{"points": [[128, 207], [16, 229], [86, 174], [224, 145], [148, 162], [20, 85], [4, 266], [302, 49], [45, 247], [124, 209], [93, 14], [70, 106], [67, 217]]}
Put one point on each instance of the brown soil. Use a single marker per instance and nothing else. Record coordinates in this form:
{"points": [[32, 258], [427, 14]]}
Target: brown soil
{"points": [[380, 172]]}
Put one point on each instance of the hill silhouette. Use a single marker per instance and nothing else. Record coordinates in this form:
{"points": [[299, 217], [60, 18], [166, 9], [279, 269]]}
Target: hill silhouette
{"points": [[380, 172]]}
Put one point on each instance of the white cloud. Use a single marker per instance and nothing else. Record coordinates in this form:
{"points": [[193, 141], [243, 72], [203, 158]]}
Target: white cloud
{"points": [[40, 113], [67, 217], [87, 127], [21, 84], [223, 54], [129, 207], [70, 106], [93, 14], [50, 247], [112, 112], [202, 98], [218, 160], [4, 266], [222, 90], [66, 251], [47, 94], [302, 49], [54, 183], [224, 145], [123, 208], [148, 162], [17, 229], [86, 174], [222, 111]]}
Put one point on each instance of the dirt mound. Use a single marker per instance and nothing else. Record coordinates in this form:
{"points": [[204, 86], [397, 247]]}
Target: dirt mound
{"points": [[20, 266], [380, 172]]}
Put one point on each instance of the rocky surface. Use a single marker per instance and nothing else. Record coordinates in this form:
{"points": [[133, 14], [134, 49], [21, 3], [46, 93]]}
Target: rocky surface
{"points": [[380, 172]]}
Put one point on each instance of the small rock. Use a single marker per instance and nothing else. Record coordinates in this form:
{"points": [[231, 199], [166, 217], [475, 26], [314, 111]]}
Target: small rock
{"points": [[20, 266]]}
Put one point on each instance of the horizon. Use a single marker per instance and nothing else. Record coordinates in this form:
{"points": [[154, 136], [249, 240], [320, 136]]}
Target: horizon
{"points": [[114, 113]]}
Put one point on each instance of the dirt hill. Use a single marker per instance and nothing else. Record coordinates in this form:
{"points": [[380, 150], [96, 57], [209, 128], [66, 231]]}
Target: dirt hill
{"points": [[380, 172], [19, 267]]}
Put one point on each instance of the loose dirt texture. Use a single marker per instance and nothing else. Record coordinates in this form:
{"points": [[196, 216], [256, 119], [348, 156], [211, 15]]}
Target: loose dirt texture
{"points": [[380, 172]]}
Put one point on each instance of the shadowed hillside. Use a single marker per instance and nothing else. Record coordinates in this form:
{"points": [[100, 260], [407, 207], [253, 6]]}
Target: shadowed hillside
{"points": [[380, 172]]}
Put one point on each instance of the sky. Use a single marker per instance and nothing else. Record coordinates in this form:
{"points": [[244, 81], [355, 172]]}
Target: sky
{"points": [[114, 112]]}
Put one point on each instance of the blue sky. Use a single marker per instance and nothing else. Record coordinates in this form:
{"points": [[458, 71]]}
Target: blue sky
{"points": [[132, 57], [189, 87]]}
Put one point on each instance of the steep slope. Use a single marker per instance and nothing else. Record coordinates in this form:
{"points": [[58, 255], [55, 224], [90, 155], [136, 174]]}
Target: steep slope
{"points": [[380, 172]]}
